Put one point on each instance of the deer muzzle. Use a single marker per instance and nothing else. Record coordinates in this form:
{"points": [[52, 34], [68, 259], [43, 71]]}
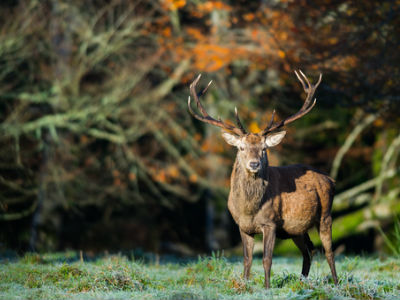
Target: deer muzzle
{"points": [[253, 166]]}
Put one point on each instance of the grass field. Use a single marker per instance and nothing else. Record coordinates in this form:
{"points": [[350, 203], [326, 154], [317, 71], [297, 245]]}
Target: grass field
{"points": [[60, 276]]}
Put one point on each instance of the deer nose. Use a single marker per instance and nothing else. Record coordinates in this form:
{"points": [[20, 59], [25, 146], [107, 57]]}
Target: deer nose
{"points": [[254, 164]]}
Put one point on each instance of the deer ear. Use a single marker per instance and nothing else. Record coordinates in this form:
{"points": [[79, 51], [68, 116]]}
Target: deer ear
{"points": [[231, 139], [274, 138]]}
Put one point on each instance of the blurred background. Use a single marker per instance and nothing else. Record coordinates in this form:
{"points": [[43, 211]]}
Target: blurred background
{"points": [[97, 148]]}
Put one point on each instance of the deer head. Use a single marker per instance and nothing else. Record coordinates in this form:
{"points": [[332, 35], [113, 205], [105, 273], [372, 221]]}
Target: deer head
{"points": [[252, 148], [252, 154]]}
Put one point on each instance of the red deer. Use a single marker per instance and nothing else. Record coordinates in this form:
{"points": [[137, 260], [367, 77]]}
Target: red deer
{"points": [[283, 202]]}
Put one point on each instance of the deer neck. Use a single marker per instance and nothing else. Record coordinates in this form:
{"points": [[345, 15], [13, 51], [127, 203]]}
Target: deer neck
{"points": [[249, 188]]}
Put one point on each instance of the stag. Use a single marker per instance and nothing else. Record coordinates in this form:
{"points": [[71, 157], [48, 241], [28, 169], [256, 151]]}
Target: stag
{"points": [[278, 202]]}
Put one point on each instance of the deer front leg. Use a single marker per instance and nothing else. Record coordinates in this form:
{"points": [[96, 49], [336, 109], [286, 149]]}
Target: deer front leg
{"points": [[248, 246], [269, 235]]}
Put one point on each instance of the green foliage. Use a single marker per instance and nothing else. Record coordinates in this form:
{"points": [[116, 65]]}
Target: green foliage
{"points": [[393, 241], [213, 277], [31, 258]]}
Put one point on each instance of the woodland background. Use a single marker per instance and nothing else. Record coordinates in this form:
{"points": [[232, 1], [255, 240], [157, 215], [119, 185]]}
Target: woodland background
{"points": [[97, 148]]}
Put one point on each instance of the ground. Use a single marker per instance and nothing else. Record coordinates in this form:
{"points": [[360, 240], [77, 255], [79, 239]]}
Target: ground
{"points": [[59, 276]]}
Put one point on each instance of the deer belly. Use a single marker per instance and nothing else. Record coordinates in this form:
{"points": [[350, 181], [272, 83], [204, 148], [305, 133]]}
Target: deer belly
{"points": [[299, 214]]}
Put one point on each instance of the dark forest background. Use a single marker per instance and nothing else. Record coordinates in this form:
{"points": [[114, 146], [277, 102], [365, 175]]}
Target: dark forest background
{"points": [[97, 148]]}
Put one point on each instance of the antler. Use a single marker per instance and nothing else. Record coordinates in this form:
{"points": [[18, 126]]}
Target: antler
{"points": [[307, 106], [206, 118]]}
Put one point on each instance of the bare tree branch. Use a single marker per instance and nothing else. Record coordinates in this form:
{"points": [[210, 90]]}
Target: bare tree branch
{"points": [[349, 142]]}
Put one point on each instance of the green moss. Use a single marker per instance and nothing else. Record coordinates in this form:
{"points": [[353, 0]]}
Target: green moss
{"points": [[347, 225], [286, 247]]}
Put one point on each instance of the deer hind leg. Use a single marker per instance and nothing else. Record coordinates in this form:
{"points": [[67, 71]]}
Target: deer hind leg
{"points": [[325, 234], [306, 247], [248, 246]]}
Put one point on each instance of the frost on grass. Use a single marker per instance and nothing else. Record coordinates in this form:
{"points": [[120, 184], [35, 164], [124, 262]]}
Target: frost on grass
{"points": [[215, 277]]}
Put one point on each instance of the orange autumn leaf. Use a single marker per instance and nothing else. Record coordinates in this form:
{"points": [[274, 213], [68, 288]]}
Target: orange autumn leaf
{"points": [[206, 145], [378, 122], [166, 32], [173, 171], [333, 40], [193, 178], [160, 176], [195, 33], [254, 34], [132, 176], [212, 57], [197, 136], [221, 5], [249, 17], [253, 127], [209, 6], [117, 182], [173, 4]]}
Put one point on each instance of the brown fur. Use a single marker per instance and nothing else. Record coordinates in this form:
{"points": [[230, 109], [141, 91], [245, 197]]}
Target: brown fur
{"points": [[283, 202]]}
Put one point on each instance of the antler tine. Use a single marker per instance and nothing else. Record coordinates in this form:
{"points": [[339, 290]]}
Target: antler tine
{"points": [[271, 121], [239, 124], [310, 90], [206, 88], [301, 80], [206, 118], [196, 96]]}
